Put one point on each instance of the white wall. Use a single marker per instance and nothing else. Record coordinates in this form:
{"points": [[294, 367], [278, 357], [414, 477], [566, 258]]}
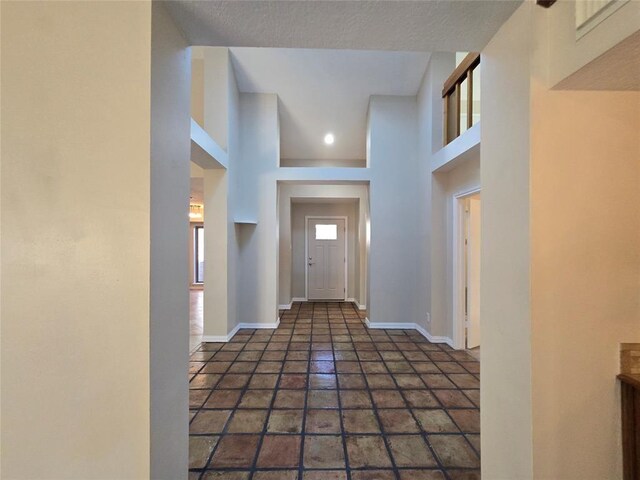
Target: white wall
{"points": [[506, 414], [447, 185], [289, 190], [429, 205], [259, 152], [393, 159], [221, 194], [170, 186], [298, 240], [76, 216]]}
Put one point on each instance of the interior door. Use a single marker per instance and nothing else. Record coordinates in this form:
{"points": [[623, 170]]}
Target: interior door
{"points": [[473, 273], [326, 259]]}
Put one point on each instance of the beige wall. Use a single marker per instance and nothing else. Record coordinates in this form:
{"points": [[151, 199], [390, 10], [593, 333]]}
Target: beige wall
{"points": [[561, 260], [75, 275], [197, 90], [585, 275]]}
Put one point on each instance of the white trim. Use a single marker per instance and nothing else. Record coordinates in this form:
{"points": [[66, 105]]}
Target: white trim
{"points": [[458, 277], [434, 339], [410, 326], [298, 299], [260, 325], [240, 326], [306, 252], [285, 307], [360, 307]]}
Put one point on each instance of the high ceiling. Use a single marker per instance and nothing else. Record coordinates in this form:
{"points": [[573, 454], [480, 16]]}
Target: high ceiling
{"points": [[322, 91], [325, 58], [418, 25]]}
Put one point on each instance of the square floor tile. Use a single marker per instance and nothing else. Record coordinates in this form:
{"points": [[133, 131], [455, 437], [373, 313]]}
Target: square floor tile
{"points": [[197, 397], [269, 367], [204, 380], [437, 380], [290, 399], [261, 381], [397, 421], [421, 475], [323, 452], [225, 475], [408, 381], [322, 399], [276, 475], [285, 421], [256, 399], [210, 421], [355, 399], [360, 421], [464, 380], [351, 381], [435, 421], [293, 381], [454, 451], [234, 380], [200, 449], [380, 381], [367, 451], [323, 421], [223, 399], [247, 421], [325, 475], [468, 420], [411, 451], [453, 399], [279, 451], [373, 475], [322, 381], [420, 399], [235, 451], [387, 399]]}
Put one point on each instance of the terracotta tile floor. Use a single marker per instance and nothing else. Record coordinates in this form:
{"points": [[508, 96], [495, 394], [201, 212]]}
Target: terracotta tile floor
{"points": [[324, 398]]}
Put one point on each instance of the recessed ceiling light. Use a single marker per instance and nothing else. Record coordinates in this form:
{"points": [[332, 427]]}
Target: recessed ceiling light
{"points": [[329, 139]]}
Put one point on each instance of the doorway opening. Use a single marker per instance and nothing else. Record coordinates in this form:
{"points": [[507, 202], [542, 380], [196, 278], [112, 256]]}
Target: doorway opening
{"points": [[326, 258], [466, 271]]}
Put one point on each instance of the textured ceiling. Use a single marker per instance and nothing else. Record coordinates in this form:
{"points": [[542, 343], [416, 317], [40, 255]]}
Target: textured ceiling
{"points": [[421, 25], [322, 91]]}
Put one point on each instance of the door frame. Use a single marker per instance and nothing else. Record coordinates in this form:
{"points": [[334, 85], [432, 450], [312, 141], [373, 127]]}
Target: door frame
{"points": [[306, 250], [458, 249]]}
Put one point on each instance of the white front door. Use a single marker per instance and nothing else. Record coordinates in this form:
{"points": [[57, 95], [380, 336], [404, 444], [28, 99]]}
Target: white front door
{"points": [[473, 273], [326, 258]]}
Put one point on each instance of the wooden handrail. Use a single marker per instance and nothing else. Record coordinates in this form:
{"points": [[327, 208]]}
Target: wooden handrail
{"points": [[468, 63]]}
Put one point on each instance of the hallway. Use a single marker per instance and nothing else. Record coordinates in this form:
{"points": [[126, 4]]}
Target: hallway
{"points": [[324, 398]]}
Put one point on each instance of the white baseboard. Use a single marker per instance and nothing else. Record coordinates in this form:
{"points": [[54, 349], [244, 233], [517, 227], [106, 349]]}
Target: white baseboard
{"points": [[432, 338], [409, 326], [285, 307], [360, 307], [298, 299], [226, 338]]}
